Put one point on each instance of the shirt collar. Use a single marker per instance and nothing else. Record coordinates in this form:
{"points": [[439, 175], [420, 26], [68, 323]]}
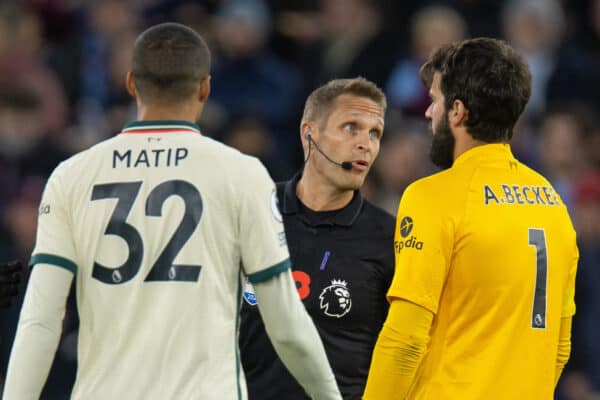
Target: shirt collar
{"points": [[487, 151], [345, 217], [145, 127]]}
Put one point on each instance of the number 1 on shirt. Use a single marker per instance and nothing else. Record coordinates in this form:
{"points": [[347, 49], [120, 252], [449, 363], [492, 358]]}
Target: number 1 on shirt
{"points": [[537, 238]]}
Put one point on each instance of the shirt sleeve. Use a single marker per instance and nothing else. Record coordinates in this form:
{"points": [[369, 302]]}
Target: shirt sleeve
{"points": [[564, 346], [397, 355], [38, 332], [54, 241], [423, 245], [263, 244], [568, 309]]}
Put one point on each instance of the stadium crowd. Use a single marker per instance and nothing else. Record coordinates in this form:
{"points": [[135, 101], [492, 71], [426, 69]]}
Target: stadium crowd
{"points": [[63, 63]]}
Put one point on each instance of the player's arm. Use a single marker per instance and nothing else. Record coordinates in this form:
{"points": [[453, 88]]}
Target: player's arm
{"points": [[564, 338], [564, 346], [38, 332], [40, 322], [10, 277], [294, 336], [399, 350]]}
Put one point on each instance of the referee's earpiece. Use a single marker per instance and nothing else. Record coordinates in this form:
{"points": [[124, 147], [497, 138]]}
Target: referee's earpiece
{"points": [[309, 136]]}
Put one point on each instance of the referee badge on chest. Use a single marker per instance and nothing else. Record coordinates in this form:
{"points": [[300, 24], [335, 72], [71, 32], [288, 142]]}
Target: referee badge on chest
{"points": [[335, 299]]}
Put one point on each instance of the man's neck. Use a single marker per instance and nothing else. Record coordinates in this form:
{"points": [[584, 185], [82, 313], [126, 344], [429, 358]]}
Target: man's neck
{"points": [[318, 195], [182, 112], [464, 142]]}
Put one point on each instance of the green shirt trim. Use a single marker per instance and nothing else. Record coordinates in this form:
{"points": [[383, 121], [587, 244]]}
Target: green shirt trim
{"points": [[163, 124], [54, 260], [270, 272]]}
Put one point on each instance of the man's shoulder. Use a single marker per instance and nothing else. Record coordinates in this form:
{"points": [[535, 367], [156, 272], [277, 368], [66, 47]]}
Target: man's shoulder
{"points": [[532, 174], [436, 186], [379, 216], [83, 156], [76, 163], [445, 184]]}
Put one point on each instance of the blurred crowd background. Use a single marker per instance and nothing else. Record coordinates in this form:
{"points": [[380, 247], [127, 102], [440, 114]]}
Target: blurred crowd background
{"points": [[62, 69]]}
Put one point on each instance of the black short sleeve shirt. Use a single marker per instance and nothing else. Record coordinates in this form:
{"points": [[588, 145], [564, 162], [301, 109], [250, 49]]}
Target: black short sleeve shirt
{"points": [[343, 264]]}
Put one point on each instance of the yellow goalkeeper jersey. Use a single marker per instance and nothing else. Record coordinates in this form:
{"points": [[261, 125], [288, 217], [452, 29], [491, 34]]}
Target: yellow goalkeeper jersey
{"points": [[489, 248]]}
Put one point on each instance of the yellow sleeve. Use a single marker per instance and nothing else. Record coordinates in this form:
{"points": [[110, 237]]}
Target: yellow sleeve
{"points": [[564, 346], [423, 246], [568, 309], [398, 352]]}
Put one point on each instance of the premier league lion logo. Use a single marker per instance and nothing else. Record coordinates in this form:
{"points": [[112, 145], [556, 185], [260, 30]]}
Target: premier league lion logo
{"points": [[335, 300]]}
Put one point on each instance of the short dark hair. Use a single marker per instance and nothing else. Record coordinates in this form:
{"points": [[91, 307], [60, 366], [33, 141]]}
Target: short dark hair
{"points": [[490, 78], [169, 60], [318, 104]]}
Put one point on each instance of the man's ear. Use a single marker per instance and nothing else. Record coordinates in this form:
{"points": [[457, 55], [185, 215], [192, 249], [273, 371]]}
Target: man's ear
{"points": [[306, 131], [204, 89], [458, 114], [130, 84]]}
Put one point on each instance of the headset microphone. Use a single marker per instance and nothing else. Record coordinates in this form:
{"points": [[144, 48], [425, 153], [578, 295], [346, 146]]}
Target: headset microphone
{"points": [[346, 165]]}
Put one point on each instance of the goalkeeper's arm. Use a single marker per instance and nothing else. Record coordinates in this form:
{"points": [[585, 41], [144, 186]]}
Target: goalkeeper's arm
{"points": [[564, 346], [399, 350]]}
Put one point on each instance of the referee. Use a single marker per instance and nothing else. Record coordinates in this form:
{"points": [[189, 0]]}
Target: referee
{"points": [[341, 246]]}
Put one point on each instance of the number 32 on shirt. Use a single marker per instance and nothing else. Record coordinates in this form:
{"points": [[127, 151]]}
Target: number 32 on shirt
{"points": [[163, 268]]}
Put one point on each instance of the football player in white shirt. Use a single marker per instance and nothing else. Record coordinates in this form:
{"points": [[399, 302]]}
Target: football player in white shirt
{"points": [[159, 226]]}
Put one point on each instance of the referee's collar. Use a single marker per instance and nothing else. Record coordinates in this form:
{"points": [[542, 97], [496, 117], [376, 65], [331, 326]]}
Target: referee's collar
{"points": [[145, 127], [344, 217]]}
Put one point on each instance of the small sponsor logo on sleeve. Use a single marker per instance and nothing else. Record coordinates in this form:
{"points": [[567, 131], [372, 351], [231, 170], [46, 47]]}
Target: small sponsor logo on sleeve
{"points": [[44, 209], [275, 207], [409, 241], [249, 295], [281, 239], [406, 226]]}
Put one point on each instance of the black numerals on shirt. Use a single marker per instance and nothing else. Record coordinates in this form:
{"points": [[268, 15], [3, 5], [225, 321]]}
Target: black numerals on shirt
{"points": [[126, 194], [537, 238], [163, 268]]}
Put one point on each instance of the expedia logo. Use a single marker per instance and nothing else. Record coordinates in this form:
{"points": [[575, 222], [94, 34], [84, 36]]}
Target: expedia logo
{"points": [[411, 243], [406, 227]]}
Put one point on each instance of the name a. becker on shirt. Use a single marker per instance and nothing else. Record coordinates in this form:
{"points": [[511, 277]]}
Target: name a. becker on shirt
{"points": [[149, 158], [520, 194]]}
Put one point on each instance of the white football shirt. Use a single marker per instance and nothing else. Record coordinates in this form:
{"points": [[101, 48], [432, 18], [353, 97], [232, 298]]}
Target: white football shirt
{"points": [[158, 224]]}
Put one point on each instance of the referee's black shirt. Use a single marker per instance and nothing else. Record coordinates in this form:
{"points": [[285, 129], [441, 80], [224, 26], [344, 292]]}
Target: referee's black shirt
{"points": [[343, 264]]}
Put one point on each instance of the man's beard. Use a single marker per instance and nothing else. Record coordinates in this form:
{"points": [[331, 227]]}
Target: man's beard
{"points": [[441, 152]]}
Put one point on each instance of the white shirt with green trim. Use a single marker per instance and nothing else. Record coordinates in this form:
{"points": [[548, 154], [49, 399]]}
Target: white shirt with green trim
{"points": [[157, 224]]}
